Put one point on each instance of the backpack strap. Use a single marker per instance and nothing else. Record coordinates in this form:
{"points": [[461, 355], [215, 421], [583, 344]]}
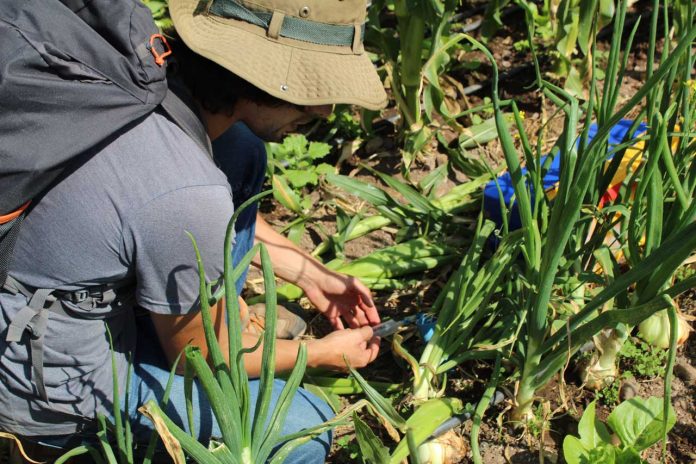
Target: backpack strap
{"points": [[33, 318], [9, 230], [184, 115]]}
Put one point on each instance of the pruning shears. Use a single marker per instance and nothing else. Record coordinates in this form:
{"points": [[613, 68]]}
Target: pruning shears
{"points": [[424, 322], [390, 327]]}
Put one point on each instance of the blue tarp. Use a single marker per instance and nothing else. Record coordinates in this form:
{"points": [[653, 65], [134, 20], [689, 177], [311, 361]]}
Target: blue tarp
{"points": [[491, 194]]}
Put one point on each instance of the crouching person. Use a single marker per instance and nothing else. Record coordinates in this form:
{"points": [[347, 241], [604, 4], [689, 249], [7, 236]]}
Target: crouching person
{"points": [[103, 253]]}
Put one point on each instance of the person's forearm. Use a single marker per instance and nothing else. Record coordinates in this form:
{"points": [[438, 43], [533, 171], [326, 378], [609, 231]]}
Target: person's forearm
{"points": [[286, 355], [290, 263]]}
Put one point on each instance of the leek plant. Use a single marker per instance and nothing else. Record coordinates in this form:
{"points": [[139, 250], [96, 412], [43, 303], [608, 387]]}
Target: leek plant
{"points": [[559, 242], [250, 434]]}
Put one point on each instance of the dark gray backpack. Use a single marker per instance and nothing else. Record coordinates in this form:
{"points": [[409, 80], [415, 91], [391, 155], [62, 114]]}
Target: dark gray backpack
{"points": [[73, 75]]}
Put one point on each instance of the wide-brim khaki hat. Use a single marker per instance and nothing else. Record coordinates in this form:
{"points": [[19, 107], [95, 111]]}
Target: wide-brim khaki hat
{"points": [[307, 52]]}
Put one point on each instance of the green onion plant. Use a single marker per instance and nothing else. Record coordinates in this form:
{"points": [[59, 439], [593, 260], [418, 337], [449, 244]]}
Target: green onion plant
{"points": [[250, 433], [560, 240]]}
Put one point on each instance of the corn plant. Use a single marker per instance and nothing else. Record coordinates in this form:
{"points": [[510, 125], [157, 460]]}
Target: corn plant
{"points": [[250, 434], [416, 53], [556, 231], [571, 26], [420, 215]]}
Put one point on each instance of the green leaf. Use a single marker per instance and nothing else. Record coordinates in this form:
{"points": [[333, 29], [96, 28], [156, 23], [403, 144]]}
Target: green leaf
{"points": [[638, 422], [326, 394], [628, 456], [298, 178], [604, 454], [368, 192], [381, 404], [324, 168], [294, 145], [423, 422], [318, 150], [371, 448], [573, 451], [285, 195], [593, 432], [478, 134], [296, 232], [587, 10]]}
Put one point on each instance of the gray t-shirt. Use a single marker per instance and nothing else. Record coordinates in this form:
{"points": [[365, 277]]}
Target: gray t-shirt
{"points": [[121, 215]]}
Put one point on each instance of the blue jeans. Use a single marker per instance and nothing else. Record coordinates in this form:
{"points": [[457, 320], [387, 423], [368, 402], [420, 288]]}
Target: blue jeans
{"points": [[242, 157]]}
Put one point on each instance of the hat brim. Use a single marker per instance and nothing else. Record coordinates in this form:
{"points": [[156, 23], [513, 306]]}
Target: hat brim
{"points": [[297, 73]]}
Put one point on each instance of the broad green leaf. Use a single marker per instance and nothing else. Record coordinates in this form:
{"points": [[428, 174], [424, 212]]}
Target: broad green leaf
{"points": [[593, 432], [298, 178], [604, 454], [587, 10], [607, 9], [318, 150], [638, 422], [368, 192], [294, 145], [296, 232], [372, 451], [574, 451], [479, 134], [325, 394], [324, 168]]}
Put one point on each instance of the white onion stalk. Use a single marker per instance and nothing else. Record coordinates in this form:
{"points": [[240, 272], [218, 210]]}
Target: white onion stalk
{"points": [[655, 329]]}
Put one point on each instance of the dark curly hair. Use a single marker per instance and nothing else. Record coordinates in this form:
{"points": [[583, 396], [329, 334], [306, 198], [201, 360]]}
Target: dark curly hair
{"points": [[214, 87]]}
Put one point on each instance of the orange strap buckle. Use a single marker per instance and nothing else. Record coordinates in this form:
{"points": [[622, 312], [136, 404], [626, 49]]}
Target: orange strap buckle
{"points": [[159, 57], [4, 219]]}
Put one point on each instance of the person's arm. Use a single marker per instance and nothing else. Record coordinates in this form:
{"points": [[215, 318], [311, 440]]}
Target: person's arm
{"points": [[175, 332], [332, 293]]}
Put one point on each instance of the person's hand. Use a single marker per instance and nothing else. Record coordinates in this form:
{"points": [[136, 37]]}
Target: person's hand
{"points": [[340, 296], [358, 347]]}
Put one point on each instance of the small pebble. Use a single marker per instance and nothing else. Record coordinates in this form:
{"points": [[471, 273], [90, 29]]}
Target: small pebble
{"points": [[629, 389], [685, 371], [374, 144]]}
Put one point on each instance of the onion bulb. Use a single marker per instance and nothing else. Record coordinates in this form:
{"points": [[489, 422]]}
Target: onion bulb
{"points": [[655, 329], [600, 370], [448, 448]]}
